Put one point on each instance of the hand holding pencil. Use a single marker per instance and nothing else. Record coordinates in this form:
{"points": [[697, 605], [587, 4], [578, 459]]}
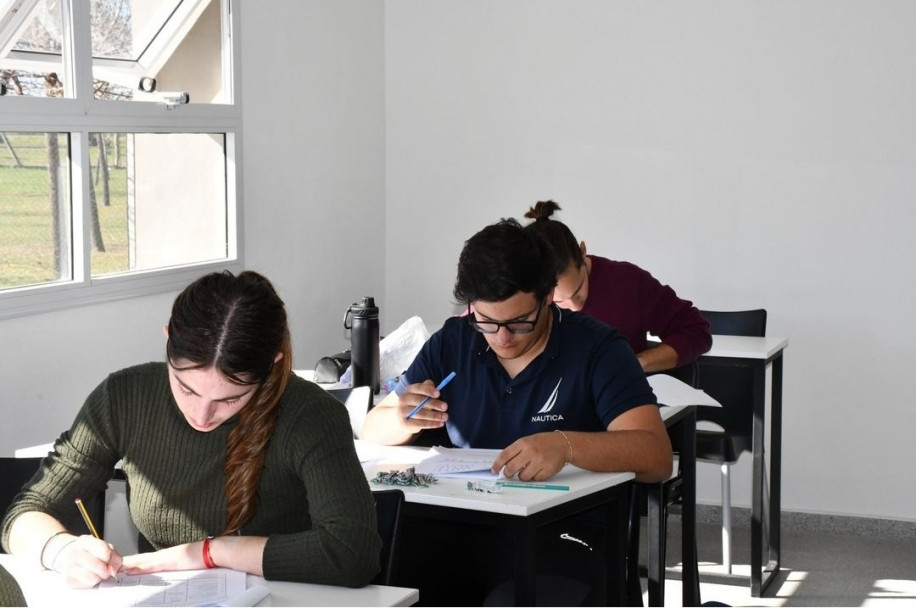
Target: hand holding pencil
{"points": [[82, 560]]}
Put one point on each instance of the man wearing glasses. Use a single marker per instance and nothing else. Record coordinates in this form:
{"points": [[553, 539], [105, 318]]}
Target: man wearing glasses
{"points": [[546, 386]]}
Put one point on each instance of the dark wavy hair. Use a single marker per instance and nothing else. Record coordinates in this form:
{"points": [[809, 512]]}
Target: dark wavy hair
{"points": [[502, 260], [237, 325], [557, 234]]}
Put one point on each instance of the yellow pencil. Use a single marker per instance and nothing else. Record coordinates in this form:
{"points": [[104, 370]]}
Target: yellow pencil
{"points": [[85, 514]]}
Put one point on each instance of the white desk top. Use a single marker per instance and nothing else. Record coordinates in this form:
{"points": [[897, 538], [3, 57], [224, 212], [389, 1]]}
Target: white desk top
{"points": [[746, 347], [304, 594], [453, 492], [45, 588]]}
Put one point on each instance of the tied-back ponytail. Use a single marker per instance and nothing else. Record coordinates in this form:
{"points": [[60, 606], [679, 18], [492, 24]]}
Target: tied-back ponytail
{"points": [[542, 211], [565, 247]]}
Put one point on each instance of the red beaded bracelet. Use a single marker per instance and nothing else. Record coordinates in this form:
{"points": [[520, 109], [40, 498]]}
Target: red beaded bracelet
{"points": [[208, 561]]}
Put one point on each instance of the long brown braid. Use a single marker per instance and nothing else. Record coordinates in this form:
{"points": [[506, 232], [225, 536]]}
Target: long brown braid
{"points": [[238, 326], [248, 445]]}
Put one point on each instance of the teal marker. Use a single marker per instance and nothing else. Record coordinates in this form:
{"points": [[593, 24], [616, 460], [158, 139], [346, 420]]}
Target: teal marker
{"points": [[533, 486]]}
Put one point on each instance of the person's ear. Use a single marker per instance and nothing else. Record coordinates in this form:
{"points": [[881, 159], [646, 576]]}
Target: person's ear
{"points": [[165, 330], [278, 357], [582, 248]]}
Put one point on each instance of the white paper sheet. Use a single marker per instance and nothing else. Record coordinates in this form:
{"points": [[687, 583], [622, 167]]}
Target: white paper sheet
{"points": [[184, 588], [460, 462], [368, 452], [671, 391]]}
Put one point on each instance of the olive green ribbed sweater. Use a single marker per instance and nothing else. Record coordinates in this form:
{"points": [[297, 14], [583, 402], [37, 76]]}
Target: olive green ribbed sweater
{"points": [[10, 593], [314, 503]]}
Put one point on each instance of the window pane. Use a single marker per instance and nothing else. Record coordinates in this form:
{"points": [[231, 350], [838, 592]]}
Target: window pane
{"points": [[34, 209], [176, 43], [160, 200], [123, 30], [33, 66]]}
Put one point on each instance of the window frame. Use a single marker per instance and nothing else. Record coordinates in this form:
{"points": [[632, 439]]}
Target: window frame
{"points": [[78, 114]]}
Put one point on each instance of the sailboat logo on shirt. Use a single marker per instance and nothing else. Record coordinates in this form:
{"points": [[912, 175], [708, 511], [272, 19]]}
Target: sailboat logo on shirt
{"points": [[544, 414]]}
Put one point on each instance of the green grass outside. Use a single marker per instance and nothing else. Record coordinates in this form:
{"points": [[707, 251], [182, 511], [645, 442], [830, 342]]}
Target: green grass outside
{"points": [[26, 240]]}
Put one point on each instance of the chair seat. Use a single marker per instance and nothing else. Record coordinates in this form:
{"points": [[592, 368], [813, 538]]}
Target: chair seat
{"points": [[722, 447]]}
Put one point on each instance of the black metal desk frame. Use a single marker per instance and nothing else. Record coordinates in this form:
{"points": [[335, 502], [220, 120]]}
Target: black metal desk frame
{"points": [[682, 430], [762, 575], [524, 531]]}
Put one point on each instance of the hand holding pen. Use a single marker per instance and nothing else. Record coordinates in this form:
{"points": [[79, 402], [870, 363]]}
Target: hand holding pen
{"points": [[420, 405]]}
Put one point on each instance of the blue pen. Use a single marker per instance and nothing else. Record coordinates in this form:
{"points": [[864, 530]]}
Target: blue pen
{"points": [[442, 384]]}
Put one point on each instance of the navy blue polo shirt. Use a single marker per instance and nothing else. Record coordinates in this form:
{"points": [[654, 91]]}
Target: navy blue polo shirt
{"points": [[586, 376]]}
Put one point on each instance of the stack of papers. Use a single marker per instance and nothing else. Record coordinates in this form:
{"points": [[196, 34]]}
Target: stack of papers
{"points": [[214, 587], [217, 587]]}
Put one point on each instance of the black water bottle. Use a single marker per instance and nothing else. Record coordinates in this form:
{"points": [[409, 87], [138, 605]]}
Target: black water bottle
{"points": [[364, 336]]}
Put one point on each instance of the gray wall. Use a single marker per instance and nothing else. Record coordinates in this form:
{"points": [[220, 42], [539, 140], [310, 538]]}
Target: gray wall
{"points": [[748, 153]]}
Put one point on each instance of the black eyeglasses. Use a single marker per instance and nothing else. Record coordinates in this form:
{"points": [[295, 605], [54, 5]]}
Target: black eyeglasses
{"points": [[514, 327]]}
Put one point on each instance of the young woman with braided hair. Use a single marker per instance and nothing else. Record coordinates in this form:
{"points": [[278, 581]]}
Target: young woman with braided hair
{"points": [[230, 459]]}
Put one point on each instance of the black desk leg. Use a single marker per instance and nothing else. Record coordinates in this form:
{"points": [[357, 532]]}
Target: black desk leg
{"points": [[634, 586], [525, 565], [774, 521], [758, 478], [656, 534], [690, 575], [618, 512], [657, 522]]}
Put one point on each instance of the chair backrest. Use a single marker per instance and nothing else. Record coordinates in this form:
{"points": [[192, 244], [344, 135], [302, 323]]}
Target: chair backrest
{"points": [[731, 386], [16, 472], [738, 322], [358, 401], [388, 505]]}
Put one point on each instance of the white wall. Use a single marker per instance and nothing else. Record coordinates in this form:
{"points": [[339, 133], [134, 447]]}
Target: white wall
{"points": [[748, 153], [751, 154], [313, 159]]}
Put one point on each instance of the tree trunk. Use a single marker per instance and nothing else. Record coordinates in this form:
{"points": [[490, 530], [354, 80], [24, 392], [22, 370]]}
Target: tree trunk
{"points": [[53, 148], [103, 170], [96, 234]]}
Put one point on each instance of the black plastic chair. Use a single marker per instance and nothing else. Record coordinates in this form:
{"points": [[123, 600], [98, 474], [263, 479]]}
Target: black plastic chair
{"points": [[16, 472], [388, 504], [733, 388]]}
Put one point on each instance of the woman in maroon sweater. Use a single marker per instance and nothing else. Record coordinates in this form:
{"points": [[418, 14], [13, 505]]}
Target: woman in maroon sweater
{"points": [[624, 296]]}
